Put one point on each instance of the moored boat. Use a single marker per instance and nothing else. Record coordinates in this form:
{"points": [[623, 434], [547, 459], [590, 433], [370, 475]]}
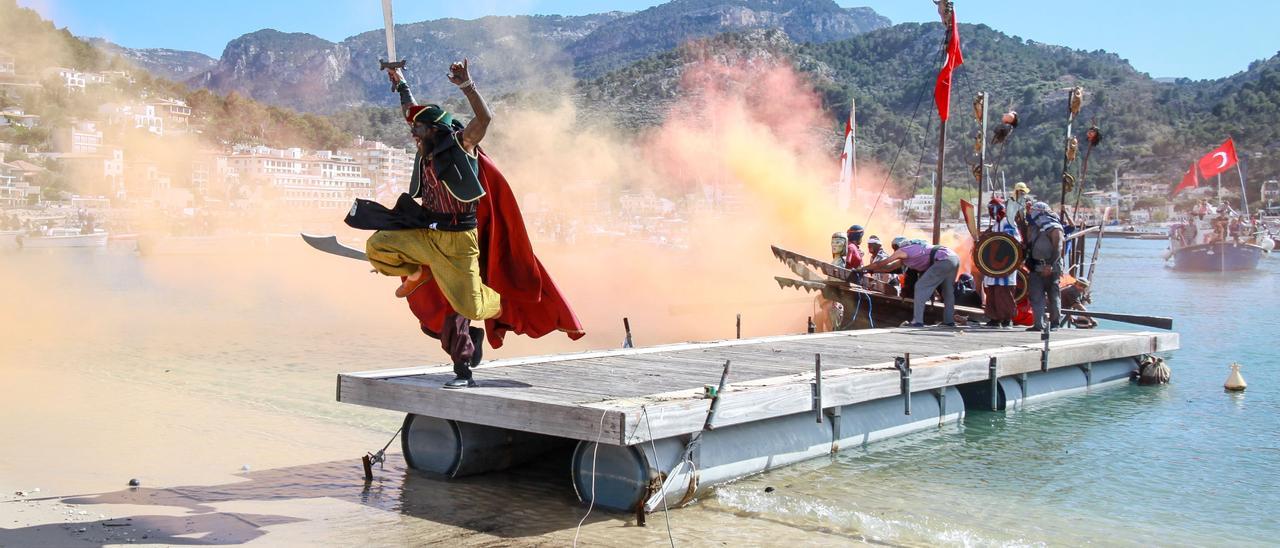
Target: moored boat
{"points": [[9, 239], [64, 237], [1217, 257]]}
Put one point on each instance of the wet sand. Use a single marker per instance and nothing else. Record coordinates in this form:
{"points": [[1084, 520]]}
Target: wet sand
{"points": [[83, 441]]}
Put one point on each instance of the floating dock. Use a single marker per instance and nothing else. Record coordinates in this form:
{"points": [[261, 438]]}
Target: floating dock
{"points": [[647, 428]]}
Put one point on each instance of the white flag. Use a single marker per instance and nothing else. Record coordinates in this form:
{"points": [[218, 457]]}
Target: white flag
{"points": [[844, 189]]}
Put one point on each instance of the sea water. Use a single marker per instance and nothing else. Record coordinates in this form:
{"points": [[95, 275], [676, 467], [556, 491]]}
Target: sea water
{"points": [[1182, 464]]}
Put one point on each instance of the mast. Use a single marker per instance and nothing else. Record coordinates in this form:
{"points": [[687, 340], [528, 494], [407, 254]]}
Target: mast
{"points": [[937, 184], [946, 9], [982, 161], [1244, 194]]}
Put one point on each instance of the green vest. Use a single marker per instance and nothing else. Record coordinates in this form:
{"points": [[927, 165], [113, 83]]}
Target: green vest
{"points": [[457, 170]]}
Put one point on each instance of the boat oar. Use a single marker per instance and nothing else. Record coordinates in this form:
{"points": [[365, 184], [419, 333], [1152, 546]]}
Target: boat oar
{"points": [[1158, 322]]}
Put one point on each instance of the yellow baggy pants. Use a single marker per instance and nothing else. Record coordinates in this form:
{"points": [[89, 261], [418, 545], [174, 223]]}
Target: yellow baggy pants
{"points": [[452, 258]]}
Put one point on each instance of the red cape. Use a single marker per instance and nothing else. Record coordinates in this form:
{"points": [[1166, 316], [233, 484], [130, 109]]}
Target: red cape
{"points": [[531, 303]]}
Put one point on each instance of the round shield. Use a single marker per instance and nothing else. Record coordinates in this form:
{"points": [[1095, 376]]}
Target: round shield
{"points": [[1020, 289], [997, 254]]}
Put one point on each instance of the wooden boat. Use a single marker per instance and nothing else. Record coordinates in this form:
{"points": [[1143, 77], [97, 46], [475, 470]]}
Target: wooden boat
{"points": [[866, 305], [1217, 257], [1202, 253]]}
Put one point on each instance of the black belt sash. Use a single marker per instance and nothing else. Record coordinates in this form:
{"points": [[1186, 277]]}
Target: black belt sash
{"points": [[407, 214]]}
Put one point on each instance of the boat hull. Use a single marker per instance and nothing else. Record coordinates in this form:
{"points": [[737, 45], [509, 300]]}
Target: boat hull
{"points": [[9, 239], [98, 239], [1217, 257], [866, 309]]}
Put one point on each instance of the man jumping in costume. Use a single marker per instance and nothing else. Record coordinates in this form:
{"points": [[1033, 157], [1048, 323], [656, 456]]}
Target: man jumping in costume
{"points": [[457, 217]]}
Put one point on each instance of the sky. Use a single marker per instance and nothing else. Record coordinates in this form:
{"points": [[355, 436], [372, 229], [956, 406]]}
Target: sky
{"points": [[1196, 39]]}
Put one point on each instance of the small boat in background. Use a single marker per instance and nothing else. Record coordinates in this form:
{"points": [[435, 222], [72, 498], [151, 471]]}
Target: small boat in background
{"points": [[1195, 247], [9, 239], [64, 237], [1217, 257]]}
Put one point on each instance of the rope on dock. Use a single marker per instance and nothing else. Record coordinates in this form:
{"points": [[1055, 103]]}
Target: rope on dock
{"points": [[644, 413], [595, 451]]}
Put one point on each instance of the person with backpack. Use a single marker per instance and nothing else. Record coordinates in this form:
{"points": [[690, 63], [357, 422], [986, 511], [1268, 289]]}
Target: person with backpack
{"points": [[937, 266], [1044, 261]]}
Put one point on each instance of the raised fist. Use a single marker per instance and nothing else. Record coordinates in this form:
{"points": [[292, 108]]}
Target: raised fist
{"points": [[459, 74]]}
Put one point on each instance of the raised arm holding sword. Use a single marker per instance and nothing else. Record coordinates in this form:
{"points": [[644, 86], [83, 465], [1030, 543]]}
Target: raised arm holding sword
{"points": [[460, 227]]}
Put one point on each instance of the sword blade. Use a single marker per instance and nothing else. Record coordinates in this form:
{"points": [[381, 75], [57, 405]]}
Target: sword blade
{"points": [[389, 23]]}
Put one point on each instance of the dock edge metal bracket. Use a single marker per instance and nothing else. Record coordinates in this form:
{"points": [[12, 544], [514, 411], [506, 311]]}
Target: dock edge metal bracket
{"points": [[993, 375], [903, 364]]}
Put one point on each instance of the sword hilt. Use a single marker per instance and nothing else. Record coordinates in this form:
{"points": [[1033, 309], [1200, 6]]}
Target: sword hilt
{"points": [[395, 69]]}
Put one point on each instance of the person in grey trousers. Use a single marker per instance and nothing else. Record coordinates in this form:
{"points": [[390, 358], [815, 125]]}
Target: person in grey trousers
{"points": [[1044, 261], [938, 266]]}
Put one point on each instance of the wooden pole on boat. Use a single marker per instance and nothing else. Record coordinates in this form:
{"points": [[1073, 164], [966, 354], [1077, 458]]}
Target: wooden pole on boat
{"points": [[1073, 107], [1097, 247], [1244, 194], [945, 10], [982, 162], [937, 185]]}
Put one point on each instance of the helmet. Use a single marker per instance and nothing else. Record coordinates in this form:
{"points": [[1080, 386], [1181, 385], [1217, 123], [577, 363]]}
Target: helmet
{"points": [[855, 233], [1020, 186], [899, 242]]}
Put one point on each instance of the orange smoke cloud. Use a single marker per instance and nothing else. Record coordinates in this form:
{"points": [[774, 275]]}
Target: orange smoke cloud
{"points": [[745, 158]]}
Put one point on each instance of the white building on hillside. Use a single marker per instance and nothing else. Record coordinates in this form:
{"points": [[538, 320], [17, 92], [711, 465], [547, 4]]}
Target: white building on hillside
{"points": [[133, 115], [14, 116], [7, 65], [82, 137], [72, 79], [175, 114], [920, 205], [388, 167], [302, 179]]}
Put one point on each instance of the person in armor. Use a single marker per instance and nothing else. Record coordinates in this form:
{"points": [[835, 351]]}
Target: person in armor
{"points": [[1044, 260]]}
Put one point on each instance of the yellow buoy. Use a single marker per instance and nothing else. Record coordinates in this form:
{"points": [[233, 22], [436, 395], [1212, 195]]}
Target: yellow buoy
{"points": [[1235, 382]]}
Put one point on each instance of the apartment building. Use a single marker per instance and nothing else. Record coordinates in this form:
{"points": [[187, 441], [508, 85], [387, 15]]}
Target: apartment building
{"points": [[302, 179]]}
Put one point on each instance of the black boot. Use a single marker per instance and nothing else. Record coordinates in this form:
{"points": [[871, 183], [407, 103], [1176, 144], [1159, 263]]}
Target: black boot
{"points": [[456, 340], [477, 340], [462, 368]]}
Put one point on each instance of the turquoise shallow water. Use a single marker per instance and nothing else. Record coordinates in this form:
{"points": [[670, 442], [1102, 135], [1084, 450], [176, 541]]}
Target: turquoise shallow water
{"points": [[1183, 464]]}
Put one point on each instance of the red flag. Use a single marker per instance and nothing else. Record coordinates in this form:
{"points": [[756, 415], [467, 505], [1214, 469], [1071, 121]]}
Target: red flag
{"points": [[942, 90], [1189, 180], [1219, 160]]}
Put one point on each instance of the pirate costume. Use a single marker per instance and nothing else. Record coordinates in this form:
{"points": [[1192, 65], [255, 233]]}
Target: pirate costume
{"points": [[457, 217]]}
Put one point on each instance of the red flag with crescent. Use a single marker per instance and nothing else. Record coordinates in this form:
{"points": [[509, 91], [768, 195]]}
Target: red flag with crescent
{"points": [[1219, 160], [1189, 180], [942, 90]]}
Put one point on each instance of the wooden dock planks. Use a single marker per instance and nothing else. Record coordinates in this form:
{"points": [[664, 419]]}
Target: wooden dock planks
{"points": [[609, 394]]}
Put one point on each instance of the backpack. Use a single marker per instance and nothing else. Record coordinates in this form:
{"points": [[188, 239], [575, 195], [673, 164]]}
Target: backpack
{"points": [[1041, 248]]}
